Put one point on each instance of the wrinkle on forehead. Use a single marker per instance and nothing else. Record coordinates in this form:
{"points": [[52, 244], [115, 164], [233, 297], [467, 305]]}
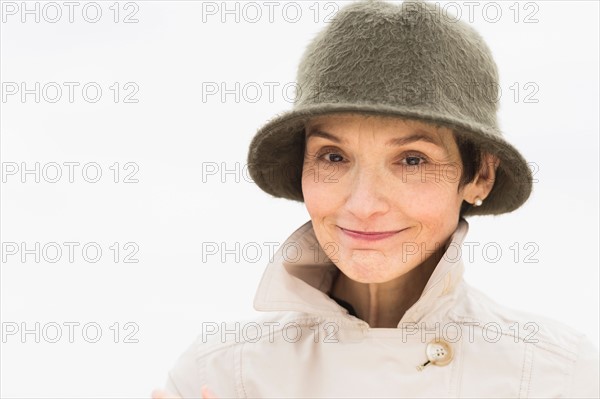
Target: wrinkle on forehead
{"points": [[443, 134]]}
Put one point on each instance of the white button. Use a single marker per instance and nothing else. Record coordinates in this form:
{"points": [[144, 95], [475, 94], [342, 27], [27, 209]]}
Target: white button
{"points": [[439, 353]]}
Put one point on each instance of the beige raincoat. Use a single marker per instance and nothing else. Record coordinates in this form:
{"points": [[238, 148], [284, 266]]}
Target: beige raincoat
{"points": [[307, 345]]}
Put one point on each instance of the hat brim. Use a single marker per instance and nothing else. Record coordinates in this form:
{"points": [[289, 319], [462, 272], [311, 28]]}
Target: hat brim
{"points": [[276, 153]]}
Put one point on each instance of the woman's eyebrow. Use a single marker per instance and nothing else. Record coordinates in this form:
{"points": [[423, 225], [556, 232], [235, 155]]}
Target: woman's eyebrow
{"points": [[325, 135], [419, 135]]}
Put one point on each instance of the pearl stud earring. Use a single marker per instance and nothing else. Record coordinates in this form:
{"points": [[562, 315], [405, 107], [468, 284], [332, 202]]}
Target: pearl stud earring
{"points": [[478, 201]]}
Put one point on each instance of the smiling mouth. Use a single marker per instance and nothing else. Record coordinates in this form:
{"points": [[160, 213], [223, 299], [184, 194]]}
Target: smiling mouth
{"points": [[369, 236], [372, 233]]}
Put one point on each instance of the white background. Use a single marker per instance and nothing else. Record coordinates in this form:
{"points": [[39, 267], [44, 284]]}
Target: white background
{"points": [[171, 132]]}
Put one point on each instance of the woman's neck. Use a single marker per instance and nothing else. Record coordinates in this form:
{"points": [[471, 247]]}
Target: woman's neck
{"points": [[382, 305]]}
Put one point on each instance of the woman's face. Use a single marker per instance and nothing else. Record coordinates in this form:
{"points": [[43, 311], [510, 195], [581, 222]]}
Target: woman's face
{"points": [[374, 174]]}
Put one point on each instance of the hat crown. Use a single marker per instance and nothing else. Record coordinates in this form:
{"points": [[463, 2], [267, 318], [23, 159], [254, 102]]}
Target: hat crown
{"points": [[408, 55]]}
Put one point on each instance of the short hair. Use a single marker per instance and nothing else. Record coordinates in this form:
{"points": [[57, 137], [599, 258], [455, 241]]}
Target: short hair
{"points": [[470, 156]]}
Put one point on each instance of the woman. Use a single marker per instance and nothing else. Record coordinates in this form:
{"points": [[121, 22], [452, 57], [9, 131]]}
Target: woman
{"points": [[392, 143]]}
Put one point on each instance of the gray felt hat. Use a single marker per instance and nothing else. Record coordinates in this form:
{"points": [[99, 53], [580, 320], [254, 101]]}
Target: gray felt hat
{"points": [[408, 60]]}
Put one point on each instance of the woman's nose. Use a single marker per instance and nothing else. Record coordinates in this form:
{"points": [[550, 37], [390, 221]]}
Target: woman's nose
{"points": [[367, 194]]}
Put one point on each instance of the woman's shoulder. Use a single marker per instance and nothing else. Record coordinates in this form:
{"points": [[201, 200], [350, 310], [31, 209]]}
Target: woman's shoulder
{"points": [[551, 344], [545, 332], [217, 349]]}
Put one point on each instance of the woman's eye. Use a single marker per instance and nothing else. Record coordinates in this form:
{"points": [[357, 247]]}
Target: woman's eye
{"points": [[334, 157], [414, 160], [331, 156]]}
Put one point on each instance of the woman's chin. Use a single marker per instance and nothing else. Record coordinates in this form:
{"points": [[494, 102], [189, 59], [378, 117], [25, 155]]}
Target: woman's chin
{"points": [[369, 268]]}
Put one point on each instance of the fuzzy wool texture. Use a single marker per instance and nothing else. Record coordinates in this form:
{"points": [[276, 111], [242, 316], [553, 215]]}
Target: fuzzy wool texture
{"points": [[406, 60]]}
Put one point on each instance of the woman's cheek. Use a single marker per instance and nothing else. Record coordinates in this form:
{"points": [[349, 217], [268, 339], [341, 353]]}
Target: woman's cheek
{"points": [[323, 181], [320, 198], [429, 195], [314, 172]]}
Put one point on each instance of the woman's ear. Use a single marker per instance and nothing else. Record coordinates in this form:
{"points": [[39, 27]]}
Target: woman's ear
{"points": [[485, 178], [482, 184]]}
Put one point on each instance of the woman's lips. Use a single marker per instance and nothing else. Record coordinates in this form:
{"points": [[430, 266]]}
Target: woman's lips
{"points": [[369, 236]]}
